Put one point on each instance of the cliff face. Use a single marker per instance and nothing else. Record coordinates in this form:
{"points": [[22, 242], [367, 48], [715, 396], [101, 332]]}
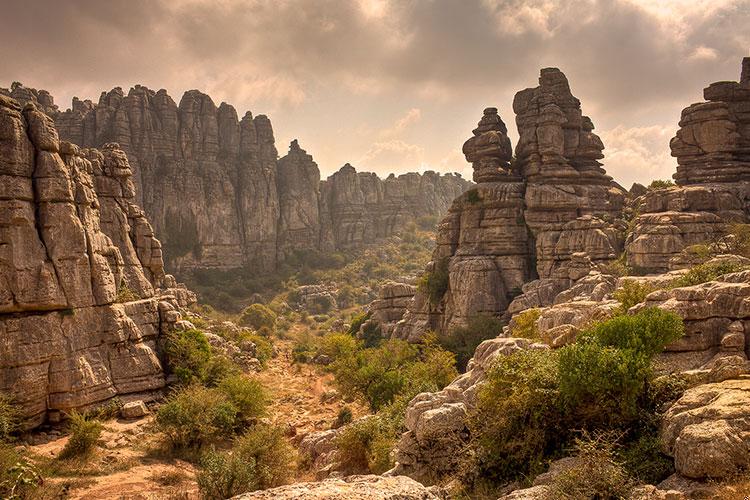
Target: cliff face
{"points": [[535, 225], [217, 195], [80, 272], [712, 147]]}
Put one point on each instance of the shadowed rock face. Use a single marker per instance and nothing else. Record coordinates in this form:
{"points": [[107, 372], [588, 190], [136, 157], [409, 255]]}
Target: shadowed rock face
{"points": [[712, 148], [80, 272], [548, 215], [215, 192]]}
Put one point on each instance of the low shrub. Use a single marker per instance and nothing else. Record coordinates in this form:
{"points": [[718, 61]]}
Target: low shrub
{"points": [[195, 415], [247, 395], [596, 472], [264, 350], [338, 346], [357, 321], [631, 293], [463, 340], [365, 446], [257, 316], [644, 460], [187, 353], [434, 283], [10, 417], [660, 184], [704, 273], [217, 368], [84, 433], [19, 478], [259, 459], [344, 417], [523, 324]]}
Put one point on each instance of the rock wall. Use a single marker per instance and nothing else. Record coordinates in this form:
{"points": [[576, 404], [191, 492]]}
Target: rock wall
{"points": [[81, 307], [712, 147], [549, 216], [217, 194]]}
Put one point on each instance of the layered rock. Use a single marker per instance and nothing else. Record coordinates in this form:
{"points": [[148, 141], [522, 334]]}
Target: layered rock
{"points": [[712, 147], [215, 192], [390, 306], [548, 215], [80, 312]]}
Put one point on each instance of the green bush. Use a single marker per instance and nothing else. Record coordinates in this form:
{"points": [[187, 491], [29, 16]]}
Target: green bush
{"points": [[371, 334], [258, 316], [631, 293], [338, 346], [365, 446], [533, 399], [434, 283], [704, 273], [463, 340], [195, 415], [225, 475], [264, 350], [379, 374], [344, 417], [523, 324], [217, 368], [660, 184], [187, 353], [84, 433], [472, 196], [605, 372], [273, 455], [357, 322], [247, 395], [10, 417], [645, 461]]}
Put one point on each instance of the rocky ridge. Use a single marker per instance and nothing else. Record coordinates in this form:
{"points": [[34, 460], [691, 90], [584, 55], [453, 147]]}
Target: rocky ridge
{"points": [[216, 192], [83, 293]]}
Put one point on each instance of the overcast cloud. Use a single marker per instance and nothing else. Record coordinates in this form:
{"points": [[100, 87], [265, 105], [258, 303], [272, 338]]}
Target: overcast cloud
{"points": [[392, 86]]}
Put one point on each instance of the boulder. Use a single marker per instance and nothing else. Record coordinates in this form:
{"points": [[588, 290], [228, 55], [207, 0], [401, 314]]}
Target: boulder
{"points": [[134, 409], [350, 488]]}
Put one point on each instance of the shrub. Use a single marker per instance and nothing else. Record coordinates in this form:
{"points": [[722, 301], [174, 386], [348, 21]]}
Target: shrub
{"points": [[365, 446], [434, 283], [738, 240], [704, 273], [631, 293], [84, 433], [10, 417], [463, 340], [338, 345], [19, 478], [195, 415], [605, 372], [344, 417], [357, 321], [187, 353], [377, 375], [259, 459], [472, 196], [257, 316], [125, 294], [217, 368], [644, 460], [247, 395], [524, 324], [371, 334], [595, 474], [660, 184]]}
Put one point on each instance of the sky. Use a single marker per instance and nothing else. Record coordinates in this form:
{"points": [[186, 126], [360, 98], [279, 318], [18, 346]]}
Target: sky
{"points": [[387, 85]]}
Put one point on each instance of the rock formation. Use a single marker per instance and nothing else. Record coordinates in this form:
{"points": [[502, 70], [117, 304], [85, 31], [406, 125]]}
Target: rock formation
{"points": [[712, 148], [350, 488], [548, 215], [215, 192], [80, 273]]}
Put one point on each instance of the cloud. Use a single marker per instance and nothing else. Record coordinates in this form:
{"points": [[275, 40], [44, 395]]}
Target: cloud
{"points": [[410, 118], [392, 156], [639, 154]]}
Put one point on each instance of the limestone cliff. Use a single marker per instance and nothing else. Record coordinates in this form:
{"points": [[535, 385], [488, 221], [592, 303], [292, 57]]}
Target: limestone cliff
{"points": [[549, 215], [216, 193], [80, 272]]}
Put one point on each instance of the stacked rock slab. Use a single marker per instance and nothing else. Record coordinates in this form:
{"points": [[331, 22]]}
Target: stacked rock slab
{"points": [[216, 193], [545, 216], [79, 311], [712, 147]]}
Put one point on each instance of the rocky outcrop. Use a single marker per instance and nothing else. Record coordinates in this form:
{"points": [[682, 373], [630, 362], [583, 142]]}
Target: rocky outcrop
{"points": [[215, 192], [712, 148], [549, 215], [80, 272], [349, 488], [707, 430], [390, 306]]}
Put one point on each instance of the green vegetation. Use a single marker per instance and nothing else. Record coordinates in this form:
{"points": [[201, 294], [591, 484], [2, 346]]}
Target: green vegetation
{"points": [[344, 417], [631, 293], [125, 294], [463, 340], [472, 196], [259, 459], [703, 273], [524, 324], [9, 417], [533, 400], [258, 317], [365, 446], [434, 283], [84, 433], [19, 478], [660, 184], [247, 395], [188, 354]]}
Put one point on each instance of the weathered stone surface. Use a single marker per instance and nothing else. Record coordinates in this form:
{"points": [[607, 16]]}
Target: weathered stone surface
{"points": [[134, 409], [350, 488], [390, 306], [707, 430], [79, 314]]}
